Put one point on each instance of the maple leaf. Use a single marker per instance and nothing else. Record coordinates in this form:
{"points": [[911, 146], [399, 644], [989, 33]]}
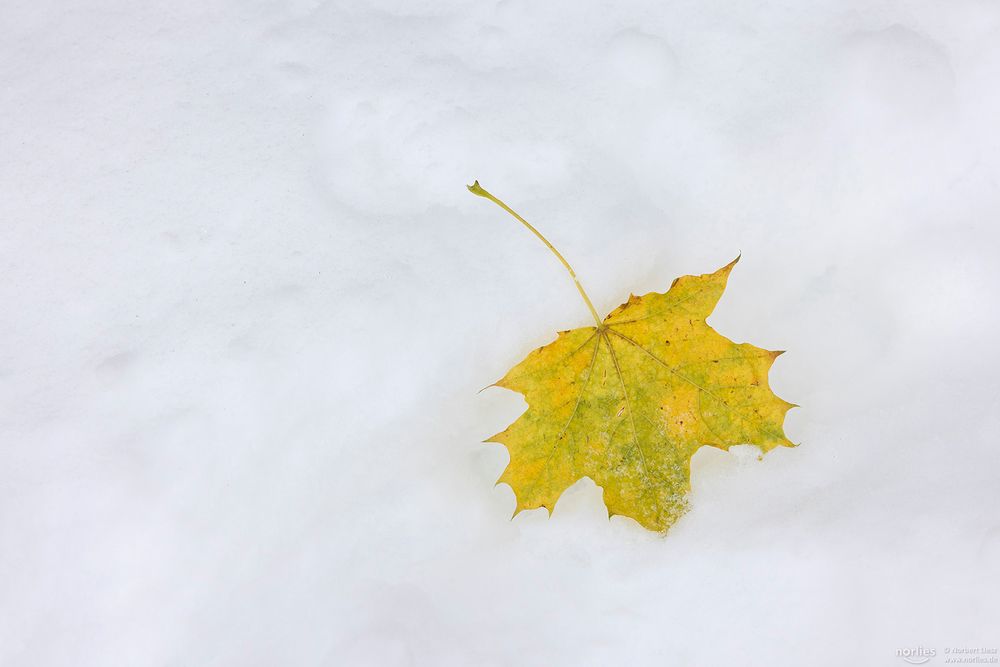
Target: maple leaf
{"points": [[629, 401]]}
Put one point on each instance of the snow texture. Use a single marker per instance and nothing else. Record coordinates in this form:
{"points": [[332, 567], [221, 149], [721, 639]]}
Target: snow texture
{"points": [[248, 304]]}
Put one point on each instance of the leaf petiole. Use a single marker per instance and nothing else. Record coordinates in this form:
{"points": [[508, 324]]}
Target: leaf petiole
{"points": [[480, 191]]}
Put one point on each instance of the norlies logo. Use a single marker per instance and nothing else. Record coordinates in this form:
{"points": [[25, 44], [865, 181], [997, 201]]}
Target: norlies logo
{"points": [[916, 656]]}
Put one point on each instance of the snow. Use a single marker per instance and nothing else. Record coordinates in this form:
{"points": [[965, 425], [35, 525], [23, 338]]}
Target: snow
{"points": [[248, 305]]}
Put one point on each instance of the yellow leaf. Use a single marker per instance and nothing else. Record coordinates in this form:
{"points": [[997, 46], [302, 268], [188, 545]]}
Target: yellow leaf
{"points": [[628, 402]]}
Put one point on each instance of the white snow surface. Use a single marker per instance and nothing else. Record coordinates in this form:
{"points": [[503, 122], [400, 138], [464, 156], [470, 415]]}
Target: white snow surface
{"points": [[248, 306]]}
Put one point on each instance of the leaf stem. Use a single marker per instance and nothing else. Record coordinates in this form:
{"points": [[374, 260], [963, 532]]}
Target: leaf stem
{"points": [[479, 190]]}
